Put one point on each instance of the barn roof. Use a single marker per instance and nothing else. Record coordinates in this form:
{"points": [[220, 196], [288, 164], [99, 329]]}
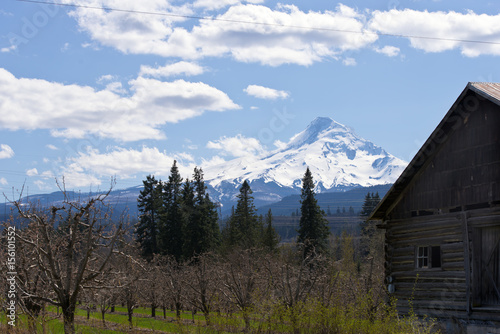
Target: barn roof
{"points": [[489, 91]]}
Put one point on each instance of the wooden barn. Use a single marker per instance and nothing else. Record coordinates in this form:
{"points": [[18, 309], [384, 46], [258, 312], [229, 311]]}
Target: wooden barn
{"points": [[442, 216]]}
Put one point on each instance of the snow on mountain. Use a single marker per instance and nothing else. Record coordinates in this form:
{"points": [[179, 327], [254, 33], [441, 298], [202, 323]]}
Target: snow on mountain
{"points": [[338, 159]]}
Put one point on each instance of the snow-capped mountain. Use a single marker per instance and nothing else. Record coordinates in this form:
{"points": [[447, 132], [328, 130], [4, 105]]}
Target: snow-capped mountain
{"points": [[338, 159]]}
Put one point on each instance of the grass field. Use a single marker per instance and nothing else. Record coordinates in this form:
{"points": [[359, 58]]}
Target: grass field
{"points": [[310, 319]]}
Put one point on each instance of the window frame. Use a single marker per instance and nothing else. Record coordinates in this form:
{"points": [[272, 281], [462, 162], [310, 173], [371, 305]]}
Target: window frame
{"points": [[424, 257]]}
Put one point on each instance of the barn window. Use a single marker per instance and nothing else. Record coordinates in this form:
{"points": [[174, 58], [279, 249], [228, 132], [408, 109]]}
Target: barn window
{"points": [[428, 257]]}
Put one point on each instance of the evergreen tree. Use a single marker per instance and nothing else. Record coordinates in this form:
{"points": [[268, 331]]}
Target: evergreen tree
{"points": [[228, 234], [149, 205], [270, 238], [245, 223], [371, 201], [368, 228], [172, 222], [351, 211], [313, 230], [202, 229]]}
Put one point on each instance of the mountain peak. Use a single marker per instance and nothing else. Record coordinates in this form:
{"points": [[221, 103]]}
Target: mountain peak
{"points": [[313, 130]]}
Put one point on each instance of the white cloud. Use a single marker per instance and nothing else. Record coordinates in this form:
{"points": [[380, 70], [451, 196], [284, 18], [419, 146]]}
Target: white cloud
{"points": [[105, 78], [213, 161], [8, 49], [218, 4], [265, 92], [88, 168], [116, 87], [6, 151], [32, 172], [388, 50], [238, 146], [349, 61], [179, 68], [279, 144], [3, 181], [443, 25], [52, 147], [248, 33], [73, 111]]}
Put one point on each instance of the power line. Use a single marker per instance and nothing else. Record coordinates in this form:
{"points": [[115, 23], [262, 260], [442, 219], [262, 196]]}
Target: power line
{"points": [[207, 18]]}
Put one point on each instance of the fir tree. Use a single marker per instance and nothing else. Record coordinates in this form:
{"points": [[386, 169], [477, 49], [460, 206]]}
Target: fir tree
{"points": [[202, 229], [172, 223], [371, 201], [149, 205], [367, 228], [313, 230], [270, 238], [245, 223]]}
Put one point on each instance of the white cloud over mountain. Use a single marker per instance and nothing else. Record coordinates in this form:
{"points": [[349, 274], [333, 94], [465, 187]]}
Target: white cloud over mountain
{"points": [[238, 146], [73, 111]]}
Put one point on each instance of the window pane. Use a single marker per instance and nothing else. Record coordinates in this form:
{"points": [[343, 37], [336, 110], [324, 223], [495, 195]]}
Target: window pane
{"points": [[436, 256]]}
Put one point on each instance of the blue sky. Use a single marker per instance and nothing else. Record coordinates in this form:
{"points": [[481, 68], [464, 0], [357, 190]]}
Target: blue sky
{"points": [[89, 94]]}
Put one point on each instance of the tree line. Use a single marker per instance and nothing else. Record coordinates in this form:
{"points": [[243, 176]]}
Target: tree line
{"points": [[179, 219]]}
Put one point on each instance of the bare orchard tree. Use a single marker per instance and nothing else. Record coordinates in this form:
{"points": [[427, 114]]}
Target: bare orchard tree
{"points": [[130, 270], [173, 277], [240, 277], [30, 282], [151, 286], [293, 280], [203, 284], [72, 244]]}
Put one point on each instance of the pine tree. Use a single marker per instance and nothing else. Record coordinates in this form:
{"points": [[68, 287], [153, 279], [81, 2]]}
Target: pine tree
{"points": [[245, 221], [149, 205], [202, 230], [367, 205], [313, 230], [172, 222], [270, 238], [367, 227]]}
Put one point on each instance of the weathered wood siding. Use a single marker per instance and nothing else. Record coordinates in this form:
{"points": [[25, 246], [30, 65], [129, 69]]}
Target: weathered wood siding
{"points": [[434, 290], [464, 172], [454, 289]]}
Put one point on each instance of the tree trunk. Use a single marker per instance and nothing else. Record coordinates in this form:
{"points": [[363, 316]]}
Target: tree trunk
{"points": [[130, 312], [164, 312], [153, 310], [103, 313], [113, 308], [69, 320], [178, 310]]}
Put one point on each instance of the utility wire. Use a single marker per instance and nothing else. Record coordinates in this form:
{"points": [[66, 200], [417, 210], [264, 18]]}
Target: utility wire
{"points": [[207, 18]]}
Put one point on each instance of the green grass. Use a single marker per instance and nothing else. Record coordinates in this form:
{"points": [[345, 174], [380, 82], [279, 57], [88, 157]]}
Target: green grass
{"points": [[311, 318], [157, 324]]}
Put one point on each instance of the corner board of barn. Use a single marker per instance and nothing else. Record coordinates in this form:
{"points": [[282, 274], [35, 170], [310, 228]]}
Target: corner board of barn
{"points": [[442, 218]]}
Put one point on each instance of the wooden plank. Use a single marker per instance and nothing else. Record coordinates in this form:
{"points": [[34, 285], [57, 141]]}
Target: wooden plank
{"points": [[431, 223], [428, 240], [443, 274], [467, 264]]}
